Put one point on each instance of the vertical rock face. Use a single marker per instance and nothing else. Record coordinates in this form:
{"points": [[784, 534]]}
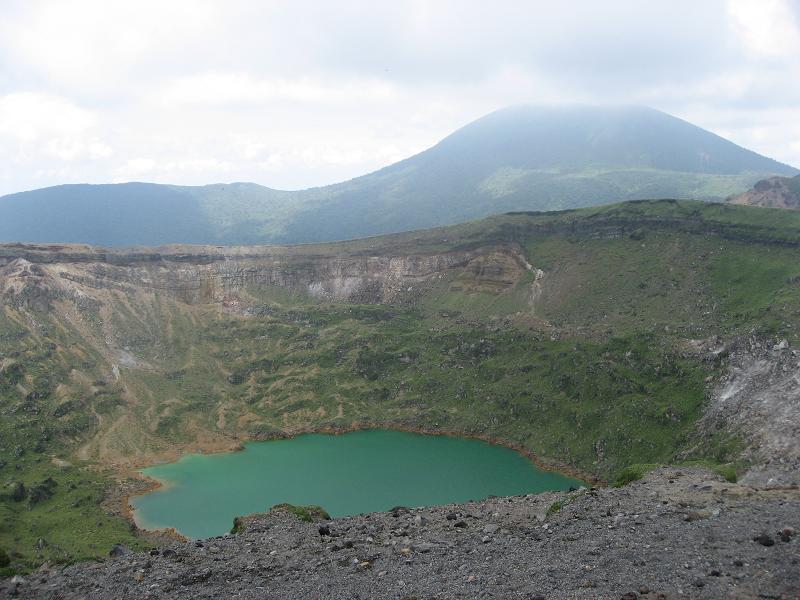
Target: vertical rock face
{"points": [[28, 285], [34, 274]]}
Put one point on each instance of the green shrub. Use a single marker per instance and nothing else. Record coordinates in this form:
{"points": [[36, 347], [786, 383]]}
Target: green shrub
{"points": [[728, 472], [633, 473], [238, 525], [567, 500], [309, 513]]}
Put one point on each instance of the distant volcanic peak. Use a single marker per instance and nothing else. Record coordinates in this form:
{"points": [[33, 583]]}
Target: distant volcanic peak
{"points": [[520, 158], [580, 137]]}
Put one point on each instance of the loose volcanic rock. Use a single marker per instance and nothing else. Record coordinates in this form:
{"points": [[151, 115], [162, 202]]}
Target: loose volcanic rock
{"points": [[631, 542]]}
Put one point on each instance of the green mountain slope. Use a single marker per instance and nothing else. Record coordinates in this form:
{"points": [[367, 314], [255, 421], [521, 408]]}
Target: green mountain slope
{"points": [[520, 158], [582, 336]]}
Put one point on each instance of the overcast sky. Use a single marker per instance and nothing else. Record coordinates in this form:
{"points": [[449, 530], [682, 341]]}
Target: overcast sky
{"points": [[297, 94]]}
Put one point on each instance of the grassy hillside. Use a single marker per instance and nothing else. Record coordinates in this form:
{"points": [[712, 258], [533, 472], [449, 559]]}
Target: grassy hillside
{"points": [[597, 369], [522, 158]]}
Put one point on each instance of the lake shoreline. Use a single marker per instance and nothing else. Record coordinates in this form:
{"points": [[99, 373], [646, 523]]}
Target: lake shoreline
{"points": [[150, 484]]}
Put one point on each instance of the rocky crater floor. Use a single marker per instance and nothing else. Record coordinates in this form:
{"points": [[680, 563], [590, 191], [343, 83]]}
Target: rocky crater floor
{"points": [[677, 533]]}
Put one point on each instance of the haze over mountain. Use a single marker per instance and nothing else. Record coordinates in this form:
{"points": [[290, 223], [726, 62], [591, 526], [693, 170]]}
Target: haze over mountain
{"points": [[520, 158]]}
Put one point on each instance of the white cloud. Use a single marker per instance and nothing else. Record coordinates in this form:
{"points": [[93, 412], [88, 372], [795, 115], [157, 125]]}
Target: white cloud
{"points": [[165, 171], [102, 47], [29, 117], [134, 167], [767, 27], [306, 93], [234, 89], [39, 133], [73, 148]]}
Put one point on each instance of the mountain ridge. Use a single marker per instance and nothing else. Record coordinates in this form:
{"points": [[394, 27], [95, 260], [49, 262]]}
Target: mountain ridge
{"points": [[519, 158]]}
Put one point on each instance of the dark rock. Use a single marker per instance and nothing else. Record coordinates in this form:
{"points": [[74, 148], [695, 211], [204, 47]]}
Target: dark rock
{"points": [[786, 534], [699, 583], [16, 582], [197, 577], [461, 524], [169, 553], [764, 540], [42, 491], [451, 516], [119, 550], [644, 590], [399, 510], [629, 596], [16, 491], [63, 408], [324, 530]]}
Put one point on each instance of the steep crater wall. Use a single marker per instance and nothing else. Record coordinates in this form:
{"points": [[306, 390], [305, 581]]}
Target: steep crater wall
{"points": [[29, 277]]}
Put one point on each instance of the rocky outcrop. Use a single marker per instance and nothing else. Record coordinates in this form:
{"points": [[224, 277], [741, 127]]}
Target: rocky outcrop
{"points": [[774, 192], [30, 274], [759, 399], [675, 534]]}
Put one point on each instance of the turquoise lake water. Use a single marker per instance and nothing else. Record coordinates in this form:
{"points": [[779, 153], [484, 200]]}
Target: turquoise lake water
{"points": [[358, 472]]}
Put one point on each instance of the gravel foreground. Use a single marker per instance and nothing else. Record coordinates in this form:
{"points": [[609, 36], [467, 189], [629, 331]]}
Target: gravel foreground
{"points": [[677, 533]]}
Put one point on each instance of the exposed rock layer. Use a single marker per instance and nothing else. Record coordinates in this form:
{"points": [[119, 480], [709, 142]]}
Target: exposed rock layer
{"points": [[774, 192], [28, 273]]}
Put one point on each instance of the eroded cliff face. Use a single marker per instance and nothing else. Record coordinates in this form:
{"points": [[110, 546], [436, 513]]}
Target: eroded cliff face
{"points": [[123, 326], [774, 192], [34, 275]]}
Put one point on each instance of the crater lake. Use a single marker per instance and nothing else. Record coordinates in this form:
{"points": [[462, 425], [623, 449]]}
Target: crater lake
{"points": [[347, 474]]}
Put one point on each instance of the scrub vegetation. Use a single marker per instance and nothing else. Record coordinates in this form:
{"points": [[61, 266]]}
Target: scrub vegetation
{"points": [[601, 370]]}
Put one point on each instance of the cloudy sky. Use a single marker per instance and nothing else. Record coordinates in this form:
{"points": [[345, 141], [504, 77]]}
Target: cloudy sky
{"points": [[296, 94]]}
